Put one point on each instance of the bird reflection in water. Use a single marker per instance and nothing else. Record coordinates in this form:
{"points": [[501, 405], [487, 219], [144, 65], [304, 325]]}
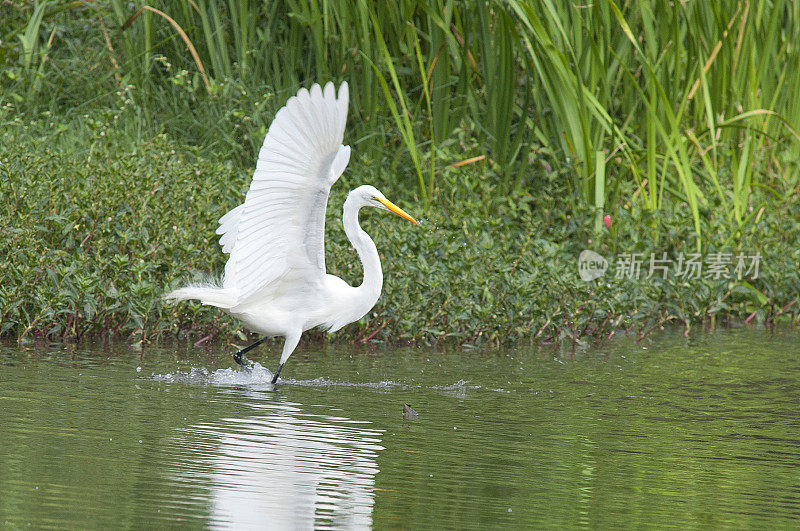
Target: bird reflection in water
{"points": [[282, 467]]}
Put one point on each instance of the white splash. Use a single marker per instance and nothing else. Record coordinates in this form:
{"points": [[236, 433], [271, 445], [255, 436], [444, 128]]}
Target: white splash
{"points": [[254, 374]]}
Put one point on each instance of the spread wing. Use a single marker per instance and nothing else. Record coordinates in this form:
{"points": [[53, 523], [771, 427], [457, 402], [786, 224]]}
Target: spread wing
{"points": [[279, 231]]}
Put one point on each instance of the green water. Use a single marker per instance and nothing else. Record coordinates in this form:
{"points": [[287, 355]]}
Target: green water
{"points": [[684, 433]]}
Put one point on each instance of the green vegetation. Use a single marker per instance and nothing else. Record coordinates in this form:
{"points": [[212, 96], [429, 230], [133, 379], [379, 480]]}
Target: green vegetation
{"points": [[512, 128]]}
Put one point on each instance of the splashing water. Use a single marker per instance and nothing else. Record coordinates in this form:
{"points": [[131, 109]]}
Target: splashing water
{"points": [[254, 374]]}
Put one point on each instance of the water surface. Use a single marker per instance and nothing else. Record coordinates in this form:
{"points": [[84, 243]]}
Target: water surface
{"points": [[670, 432]]}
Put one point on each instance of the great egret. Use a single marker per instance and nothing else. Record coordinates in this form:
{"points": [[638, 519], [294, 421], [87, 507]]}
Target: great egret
{"points": [[275, 280]]}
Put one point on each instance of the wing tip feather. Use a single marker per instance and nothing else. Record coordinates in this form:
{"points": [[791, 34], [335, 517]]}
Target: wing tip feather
{"points": [[311, 124]]}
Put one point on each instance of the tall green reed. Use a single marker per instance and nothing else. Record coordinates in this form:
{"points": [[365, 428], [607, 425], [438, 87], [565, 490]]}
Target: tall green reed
{"points": [[631, 104]]}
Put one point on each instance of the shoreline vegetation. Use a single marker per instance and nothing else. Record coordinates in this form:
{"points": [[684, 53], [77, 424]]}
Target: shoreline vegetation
{"points": [[520, 133]]}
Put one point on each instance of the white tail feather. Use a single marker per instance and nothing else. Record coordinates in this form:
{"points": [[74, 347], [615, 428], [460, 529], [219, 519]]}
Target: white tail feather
{"points": [[206, 293]]}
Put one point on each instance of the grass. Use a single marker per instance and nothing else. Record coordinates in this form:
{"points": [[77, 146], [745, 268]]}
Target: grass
{"points": [[94, 237], [514, 127], [534, 80]]}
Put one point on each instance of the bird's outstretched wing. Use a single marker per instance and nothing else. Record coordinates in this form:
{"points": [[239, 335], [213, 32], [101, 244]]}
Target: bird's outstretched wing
{"points": [[279, 231]]}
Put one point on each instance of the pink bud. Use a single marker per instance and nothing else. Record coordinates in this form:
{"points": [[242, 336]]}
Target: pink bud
{"points": [[607, 221]]}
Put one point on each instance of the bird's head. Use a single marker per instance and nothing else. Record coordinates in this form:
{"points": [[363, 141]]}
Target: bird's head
{"points": [[370, 196]]}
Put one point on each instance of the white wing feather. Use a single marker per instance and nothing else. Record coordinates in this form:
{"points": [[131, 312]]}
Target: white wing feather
{"points": [[279, 231]]}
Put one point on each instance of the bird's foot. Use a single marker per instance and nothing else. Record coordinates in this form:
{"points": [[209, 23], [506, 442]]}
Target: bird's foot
{"points": [[275, 376], [239, 356], [242, 361]]}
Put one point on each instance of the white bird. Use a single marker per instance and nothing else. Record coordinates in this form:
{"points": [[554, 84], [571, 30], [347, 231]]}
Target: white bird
{"points": [[275, 280]]}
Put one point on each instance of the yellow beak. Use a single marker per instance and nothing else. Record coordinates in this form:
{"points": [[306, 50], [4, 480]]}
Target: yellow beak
{"points": [[397, 210]]}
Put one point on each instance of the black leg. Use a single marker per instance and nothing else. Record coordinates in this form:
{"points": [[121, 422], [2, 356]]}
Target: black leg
{"points": [[238, 356], [275, 377]]}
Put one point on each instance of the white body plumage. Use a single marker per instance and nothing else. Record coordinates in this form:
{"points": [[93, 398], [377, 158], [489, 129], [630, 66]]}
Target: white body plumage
{"points": [[275, 279]]}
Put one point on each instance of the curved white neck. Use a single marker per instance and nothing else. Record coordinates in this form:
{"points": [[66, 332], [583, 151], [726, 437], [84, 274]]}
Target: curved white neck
{"points": [[370, 288]]}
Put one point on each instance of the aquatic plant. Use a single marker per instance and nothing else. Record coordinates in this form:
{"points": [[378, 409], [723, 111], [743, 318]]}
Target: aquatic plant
{"points": [[91, 237], [516, 126]]}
